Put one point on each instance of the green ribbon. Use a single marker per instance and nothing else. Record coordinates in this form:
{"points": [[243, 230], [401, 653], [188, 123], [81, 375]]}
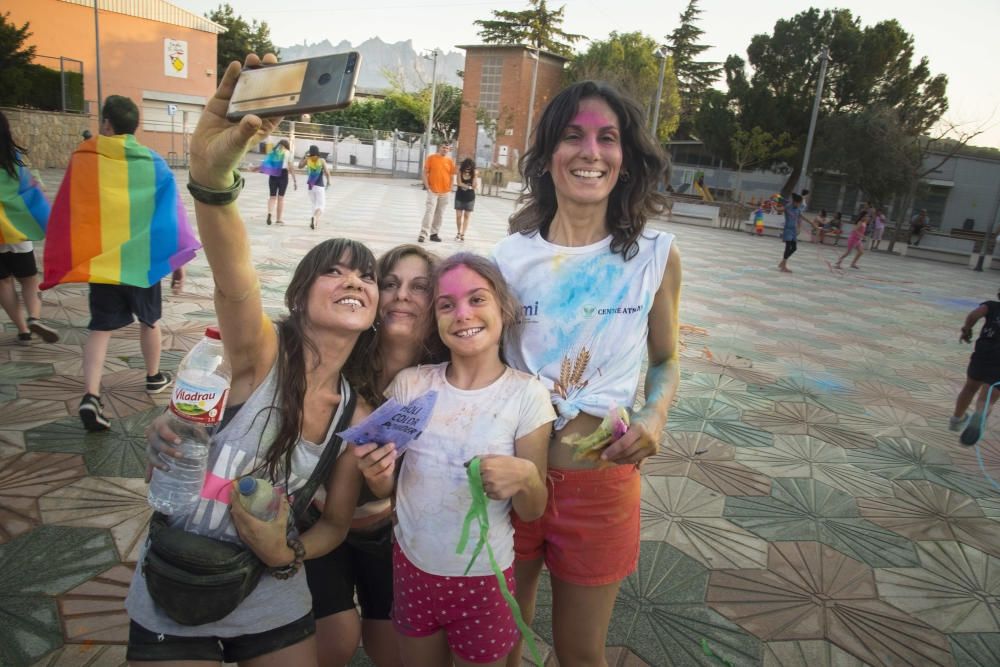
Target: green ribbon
{"points": [[478, 514]]}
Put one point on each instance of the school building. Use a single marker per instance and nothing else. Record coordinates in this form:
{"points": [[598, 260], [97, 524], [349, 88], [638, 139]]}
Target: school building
{"points": [[161, 56]]}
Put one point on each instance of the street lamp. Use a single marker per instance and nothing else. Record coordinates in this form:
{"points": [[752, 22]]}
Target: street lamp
{"points": [[97, 62], [661, 53], [430, 114], [531, 101], [823, 58]]}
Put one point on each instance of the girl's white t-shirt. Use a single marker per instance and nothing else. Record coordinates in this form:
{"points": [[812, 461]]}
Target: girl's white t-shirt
{"points": [[433, 495]]}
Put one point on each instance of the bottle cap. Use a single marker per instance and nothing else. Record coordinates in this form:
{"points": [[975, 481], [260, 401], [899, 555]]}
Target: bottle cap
{"points": [[247, 485], [213, 332]]}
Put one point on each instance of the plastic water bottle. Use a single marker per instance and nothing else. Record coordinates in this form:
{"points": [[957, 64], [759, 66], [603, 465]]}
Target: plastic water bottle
{"points": [[196, 407], [258, 497]]}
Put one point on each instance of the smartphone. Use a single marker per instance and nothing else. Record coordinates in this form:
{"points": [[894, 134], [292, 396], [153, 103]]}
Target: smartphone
{"points": [[296, 87]]}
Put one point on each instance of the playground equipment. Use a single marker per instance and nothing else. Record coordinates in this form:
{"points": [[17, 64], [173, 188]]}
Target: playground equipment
{"points": [[699, 187]]}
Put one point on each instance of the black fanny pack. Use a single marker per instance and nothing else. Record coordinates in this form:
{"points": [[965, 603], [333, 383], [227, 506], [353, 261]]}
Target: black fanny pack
{"points": [[196, 579]]}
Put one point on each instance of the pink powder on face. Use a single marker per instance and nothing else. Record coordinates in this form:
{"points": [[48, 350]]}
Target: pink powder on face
{"points": [[593, 119]]}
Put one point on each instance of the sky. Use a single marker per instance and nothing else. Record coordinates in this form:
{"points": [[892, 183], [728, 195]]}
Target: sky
{"points": [[961, 38]]}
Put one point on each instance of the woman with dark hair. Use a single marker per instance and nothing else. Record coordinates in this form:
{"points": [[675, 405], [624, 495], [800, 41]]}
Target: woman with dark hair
{"points": [[465, 196], [278, 167], [597, 289], [289, 392], [24, 212], [362, 565]]}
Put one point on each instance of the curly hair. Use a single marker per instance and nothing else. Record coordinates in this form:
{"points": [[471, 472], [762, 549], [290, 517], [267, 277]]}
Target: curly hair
{"points": [[634, 198]]}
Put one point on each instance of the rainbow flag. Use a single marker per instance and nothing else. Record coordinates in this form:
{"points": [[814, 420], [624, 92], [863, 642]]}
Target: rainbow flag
{"points": [[314, 171], [24, 210], [118, 218], [274, 162]]}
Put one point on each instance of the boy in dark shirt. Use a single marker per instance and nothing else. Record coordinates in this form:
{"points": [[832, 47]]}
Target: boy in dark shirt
{"points": [[983, 371]]}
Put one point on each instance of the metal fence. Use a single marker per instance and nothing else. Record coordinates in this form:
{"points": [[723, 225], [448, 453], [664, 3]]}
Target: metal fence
{"points": [[352, 149], [65, 91]]}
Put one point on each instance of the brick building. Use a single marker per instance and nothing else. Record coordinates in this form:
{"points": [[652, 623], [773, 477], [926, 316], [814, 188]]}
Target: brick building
{"points": [[497, 83], [161, 56]]}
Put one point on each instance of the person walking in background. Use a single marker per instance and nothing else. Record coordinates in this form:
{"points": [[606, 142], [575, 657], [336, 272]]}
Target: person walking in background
{"points": [[317, 181], [879, 228], [465, 196], [918, 226], [278, 167], [439, 171], [790, 234], [983, 371], [118, 224], [820, 225], [24, 214]]}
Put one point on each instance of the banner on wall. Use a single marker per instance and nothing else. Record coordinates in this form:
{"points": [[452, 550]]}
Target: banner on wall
{"points": [[175, 58]]}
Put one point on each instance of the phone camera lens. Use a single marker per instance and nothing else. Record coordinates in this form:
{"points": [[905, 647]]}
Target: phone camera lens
{"points": [[324, 78]]}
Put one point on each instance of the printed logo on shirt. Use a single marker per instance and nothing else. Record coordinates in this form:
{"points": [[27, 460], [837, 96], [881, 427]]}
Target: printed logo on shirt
{"points": [[589, 310], [529, 313], [619, 310]]}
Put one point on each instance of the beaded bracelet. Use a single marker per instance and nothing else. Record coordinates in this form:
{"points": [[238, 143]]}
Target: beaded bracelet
{"points": [[289, 571]]}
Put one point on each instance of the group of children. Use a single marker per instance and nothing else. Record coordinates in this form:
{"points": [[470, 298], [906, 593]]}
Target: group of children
{"points": [[869, 223]]}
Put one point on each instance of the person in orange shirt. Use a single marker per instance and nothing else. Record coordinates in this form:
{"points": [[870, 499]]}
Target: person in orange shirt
{"points": [[439, 171]]}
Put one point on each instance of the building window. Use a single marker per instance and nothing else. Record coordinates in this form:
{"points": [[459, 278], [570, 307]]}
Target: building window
{"points": [[489, 85]]}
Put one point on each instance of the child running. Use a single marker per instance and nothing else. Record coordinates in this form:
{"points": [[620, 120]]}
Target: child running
{"points": [[855, 242], [445, 609], [983, 371]]}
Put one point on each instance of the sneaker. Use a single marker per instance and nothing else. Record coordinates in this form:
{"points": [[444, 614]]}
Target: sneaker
{"points": [[971, 434], [268, 218], [92, 414], [157, 383], [435, 238], [312, 223], [279, 222], [957, 424], [45, 332], [24, 338], [421, 239]]}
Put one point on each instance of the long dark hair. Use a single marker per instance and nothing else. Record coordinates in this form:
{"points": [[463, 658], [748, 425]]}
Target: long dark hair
{"points": [[510, 307], [10, 159], [432, 350], [293, 342], [635, 196]]}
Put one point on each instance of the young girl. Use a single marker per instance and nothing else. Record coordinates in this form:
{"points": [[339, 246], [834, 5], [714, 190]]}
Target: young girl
{"points": [[465, 196], [879, 229], [442, 612], [856, 242], [317, 180]]}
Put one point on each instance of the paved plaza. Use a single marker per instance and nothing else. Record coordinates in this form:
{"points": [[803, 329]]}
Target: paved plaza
{"points": [[809, 506]]}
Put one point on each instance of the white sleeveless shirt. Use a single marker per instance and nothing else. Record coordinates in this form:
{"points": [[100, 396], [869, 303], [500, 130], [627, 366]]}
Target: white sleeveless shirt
{"points": [[585, 314]]}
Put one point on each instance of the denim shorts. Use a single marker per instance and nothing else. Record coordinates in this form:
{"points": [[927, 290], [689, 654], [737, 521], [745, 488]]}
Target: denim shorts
{"points": [[146, 645]]}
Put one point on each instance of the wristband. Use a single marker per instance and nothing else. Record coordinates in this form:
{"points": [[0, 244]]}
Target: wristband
{"points": [[290, 570], [216, 197]]}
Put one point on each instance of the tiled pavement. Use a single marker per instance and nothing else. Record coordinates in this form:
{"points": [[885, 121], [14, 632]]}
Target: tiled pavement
{"points": [[809, 506]]}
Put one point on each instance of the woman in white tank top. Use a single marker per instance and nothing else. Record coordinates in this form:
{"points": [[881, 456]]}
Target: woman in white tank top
{"points": [[597, 289]]}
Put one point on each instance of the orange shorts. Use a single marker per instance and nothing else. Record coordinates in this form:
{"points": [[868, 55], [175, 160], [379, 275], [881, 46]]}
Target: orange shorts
{"points": [[589, 534]]}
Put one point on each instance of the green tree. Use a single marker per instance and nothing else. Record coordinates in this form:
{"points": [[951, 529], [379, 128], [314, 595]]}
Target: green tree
{"points": [[537, 27], [15, 60], [627, 59], [694, 77], [869, 67], [755, 147], [240, 37]]}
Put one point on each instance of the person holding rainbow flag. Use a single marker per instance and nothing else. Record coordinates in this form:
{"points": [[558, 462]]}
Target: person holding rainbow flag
{"points": [[317, 181], [24, 213], [118, 224], [278, 167]]}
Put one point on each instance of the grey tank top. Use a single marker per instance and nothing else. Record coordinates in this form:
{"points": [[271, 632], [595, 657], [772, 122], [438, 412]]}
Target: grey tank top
{"points": [[239, 449]]}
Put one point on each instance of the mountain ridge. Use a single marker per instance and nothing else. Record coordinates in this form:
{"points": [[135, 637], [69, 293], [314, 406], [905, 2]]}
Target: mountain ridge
{"points": [[379, 57]]}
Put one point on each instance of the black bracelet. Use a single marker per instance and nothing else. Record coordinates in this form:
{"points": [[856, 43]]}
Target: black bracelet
{"points": [[289, 571], [216, 197]]}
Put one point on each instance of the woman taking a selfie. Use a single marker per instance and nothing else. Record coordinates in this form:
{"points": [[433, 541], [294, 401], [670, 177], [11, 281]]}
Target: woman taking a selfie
{"points": [[287, 398]]}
